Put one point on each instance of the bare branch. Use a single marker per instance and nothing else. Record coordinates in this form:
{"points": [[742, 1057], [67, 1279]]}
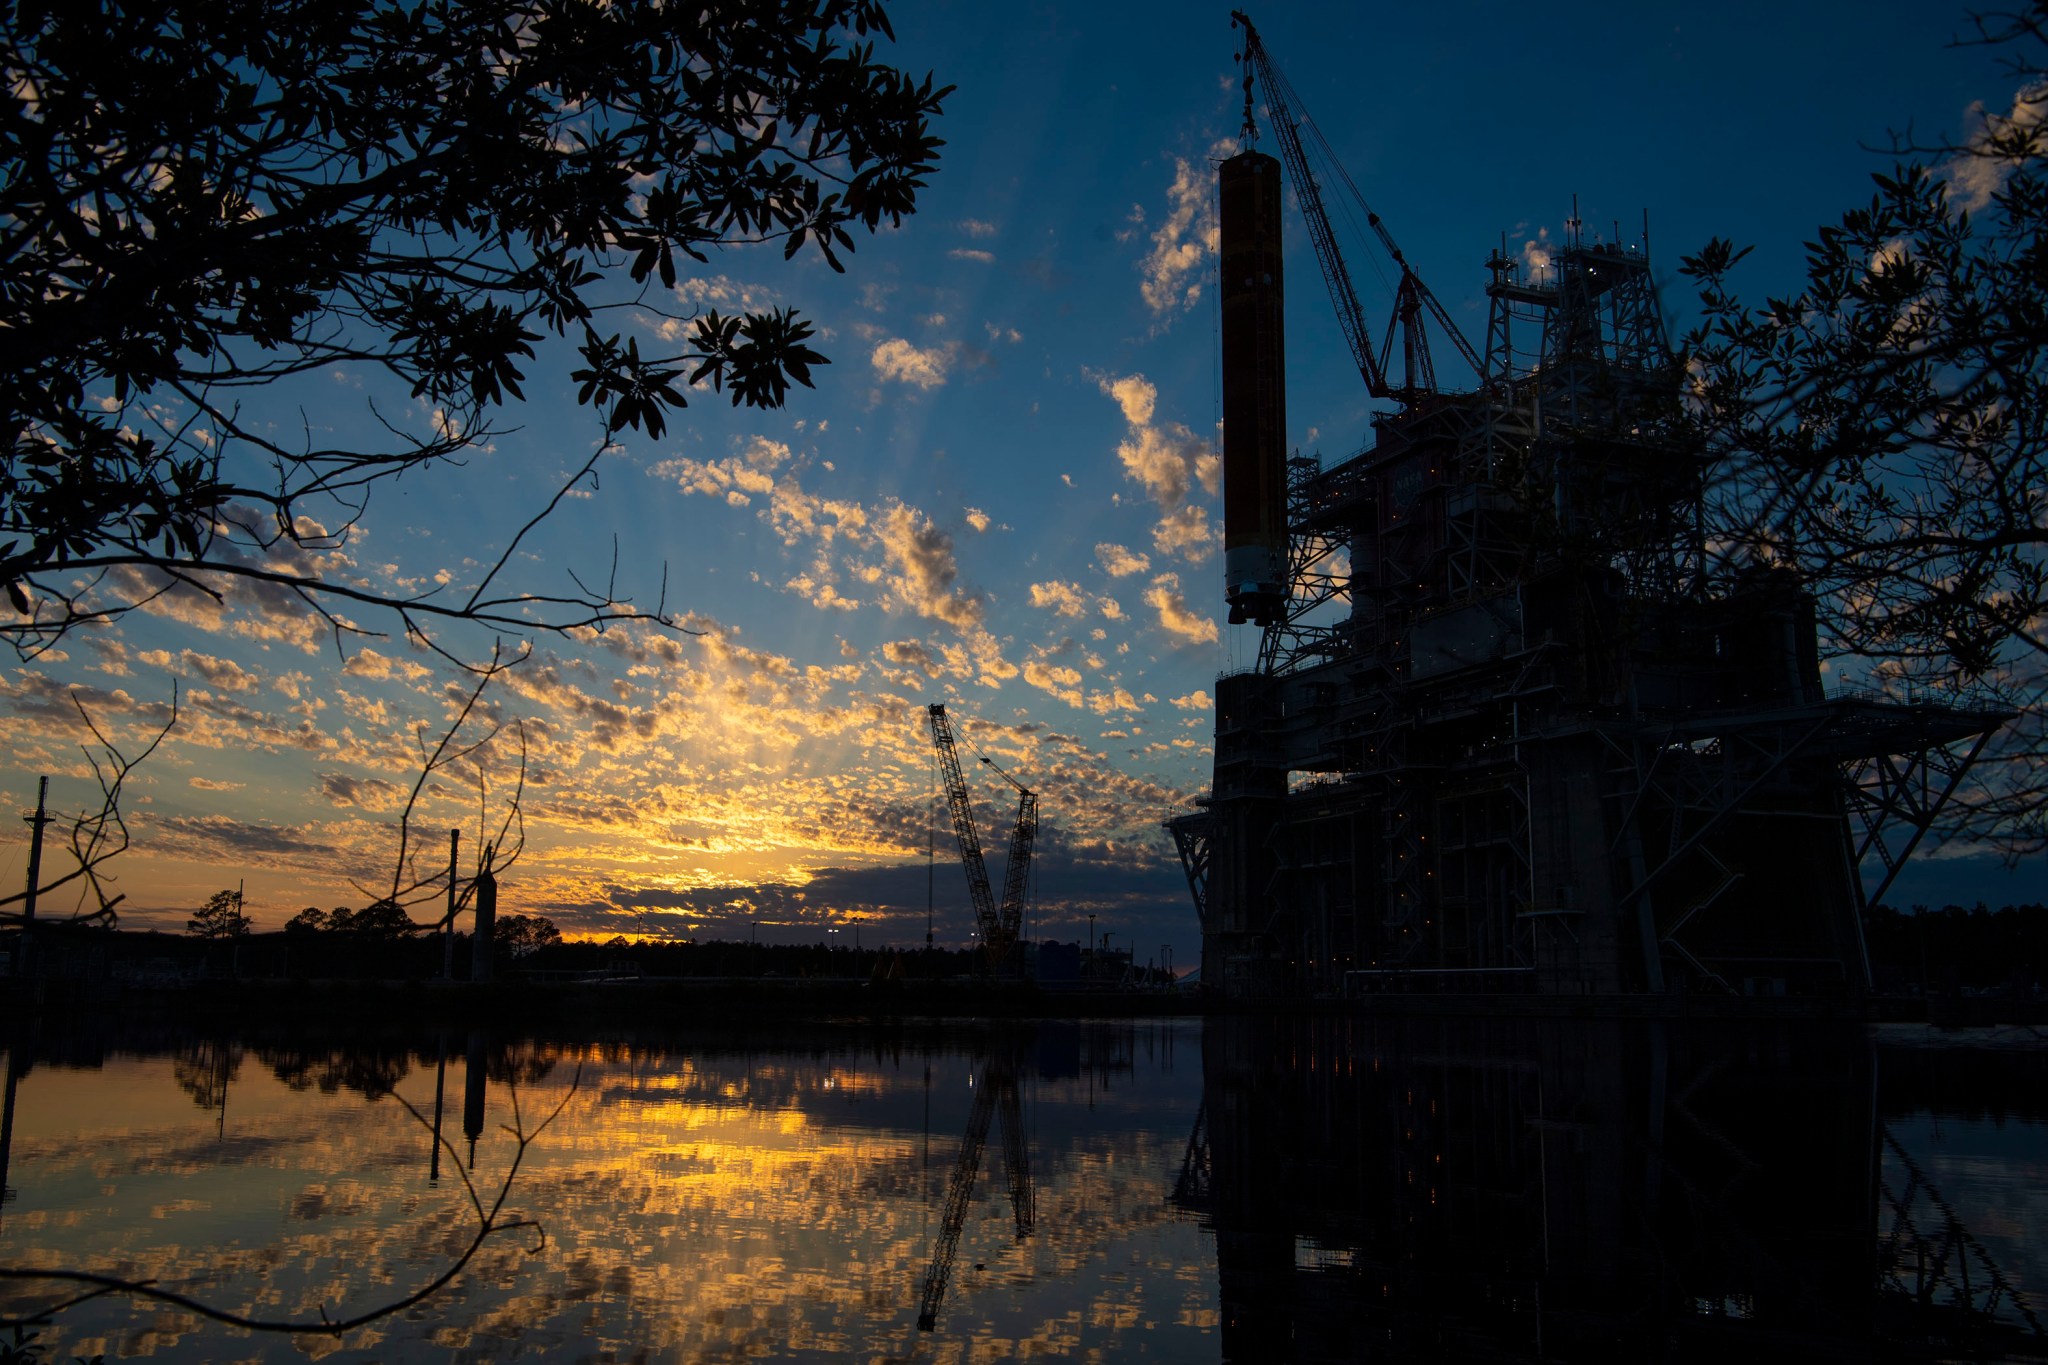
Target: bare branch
{"points": [[97, 837], [490, 1222]]}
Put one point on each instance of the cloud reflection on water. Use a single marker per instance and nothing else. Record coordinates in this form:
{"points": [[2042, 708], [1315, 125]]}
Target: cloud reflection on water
{"points": [[697, 1205]]}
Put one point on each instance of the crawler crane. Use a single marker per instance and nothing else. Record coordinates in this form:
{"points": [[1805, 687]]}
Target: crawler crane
{"points": [[999, 926], [998, 1092]]}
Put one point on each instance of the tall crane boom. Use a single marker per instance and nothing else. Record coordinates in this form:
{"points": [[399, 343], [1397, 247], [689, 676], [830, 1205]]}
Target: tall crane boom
{"points": [[959, 1193], [1017, 871], [1412, 297], [998, 1092], [999, 926], [963, 820]]}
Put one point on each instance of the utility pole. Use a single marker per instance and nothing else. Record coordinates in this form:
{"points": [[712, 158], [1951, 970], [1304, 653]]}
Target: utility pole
{"points": [[35, 870], [931, 872]]}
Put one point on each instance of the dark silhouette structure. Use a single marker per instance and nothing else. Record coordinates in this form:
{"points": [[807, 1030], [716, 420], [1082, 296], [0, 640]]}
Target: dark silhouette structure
{"points": [[998, 925], [1522, 1190], [998, 1091], [1512, 726]]}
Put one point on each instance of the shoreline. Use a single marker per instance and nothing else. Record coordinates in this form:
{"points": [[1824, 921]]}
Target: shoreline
{"points": [[658, 1000]]}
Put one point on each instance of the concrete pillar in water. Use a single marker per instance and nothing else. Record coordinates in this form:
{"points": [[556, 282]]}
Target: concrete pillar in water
{"points": [[473, 1093], [486, 922]]}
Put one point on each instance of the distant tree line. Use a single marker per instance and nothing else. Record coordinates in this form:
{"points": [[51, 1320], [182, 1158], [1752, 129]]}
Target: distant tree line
{"points": [[373, 1067], [1955, 948], [381, 940]]}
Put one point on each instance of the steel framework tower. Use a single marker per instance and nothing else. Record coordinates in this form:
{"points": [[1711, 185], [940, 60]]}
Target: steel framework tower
{"points": [[1507, 731]]}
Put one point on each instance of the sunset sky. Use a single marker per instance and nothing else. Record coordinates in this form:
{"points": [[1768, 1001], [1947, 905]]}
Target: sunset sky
{"points": [[1001, 495]]}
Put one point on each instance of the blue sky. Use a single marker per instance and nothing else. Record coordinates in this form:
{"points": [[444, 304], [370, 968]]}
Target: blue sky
{"points": [[1001, 494]]}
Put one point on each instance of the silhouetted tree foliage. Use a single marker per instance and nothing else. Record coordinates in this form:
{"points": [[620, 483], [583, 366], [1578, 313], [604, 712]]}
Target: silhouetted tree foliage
{"points": [[1888, 426], [381, 919], [519, 1063], [220, 917], [205, 1070], [368, 1068], [208, 199], [311, 920], [524, 935], [1953, 947]]}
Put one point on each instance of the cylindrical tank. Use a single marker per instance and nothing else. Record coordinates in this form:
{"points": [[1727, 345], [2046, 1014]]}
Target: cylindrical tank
{"points": [[1254, 390]]}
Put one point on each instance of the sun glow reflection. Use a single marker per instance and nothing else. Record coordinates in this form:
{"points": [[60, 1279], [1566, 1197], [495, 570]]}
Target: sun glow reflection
{"points": [[696, 1204]]}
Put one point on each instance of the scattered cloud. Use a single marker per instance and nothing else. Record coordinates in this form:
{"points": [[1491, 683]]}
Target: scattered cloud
{"points": [[1169, 462], [1062, 599], [919, 367], [1185, 532], [363, 793], [368, 663], [913, 654], [722, 291], [1133, 221], [962, 253], [1170, 275], [923, 569], [1057, 679], [1975, 173], [1537, 255], [1119, 562], [1175, 617], [225, 674]]}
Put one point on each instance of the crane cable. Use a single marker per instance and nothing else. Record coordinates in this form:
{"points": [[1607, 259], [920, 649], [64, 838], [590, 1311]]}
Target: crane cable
{"points": [[978, 753]]}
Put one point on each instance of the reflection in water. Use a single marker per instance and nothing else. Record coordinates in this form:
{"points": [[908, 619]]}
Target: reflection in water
{"points": [[715, 1199], [998, 1090], [440, 1098], [17, 1056], [474, 1076], [1607, 1190], [1308, 1189]]}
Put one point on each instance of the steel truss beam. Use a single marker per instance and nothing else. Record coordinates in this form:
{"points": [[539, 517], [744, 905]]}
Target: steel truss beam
{"points": [[1292, 643], [1909, 790], [1943, 1263], [1193, 838], [1712, 767]]}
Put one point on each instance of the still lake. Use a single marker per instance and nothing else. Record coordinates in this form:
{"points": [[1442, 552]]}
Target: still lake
{"points": [[1305, 1189]]}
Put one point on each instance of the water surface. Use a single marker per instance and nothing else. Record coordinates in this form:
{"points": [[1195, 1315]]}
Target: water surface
{"points": [[1300, 1189]]}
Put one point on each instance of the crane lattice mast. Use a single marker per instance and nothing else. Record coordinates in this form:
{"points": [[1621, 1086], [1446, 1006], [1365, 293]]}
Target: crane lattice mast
{"points": [[1411, 298], [999, 926], [997, 1093]]}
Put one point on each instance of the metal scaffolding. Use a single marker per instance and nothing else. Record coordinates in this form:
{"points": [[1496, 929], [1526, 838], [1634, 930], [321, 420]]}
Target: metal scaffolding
{"points": [[1507, 732]]}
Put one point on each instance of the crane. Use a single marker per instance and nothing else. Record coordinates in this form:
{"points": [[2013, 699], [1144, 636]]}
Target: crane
{"points": [[999, 925], [1412, 298], [998, 1090]]}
